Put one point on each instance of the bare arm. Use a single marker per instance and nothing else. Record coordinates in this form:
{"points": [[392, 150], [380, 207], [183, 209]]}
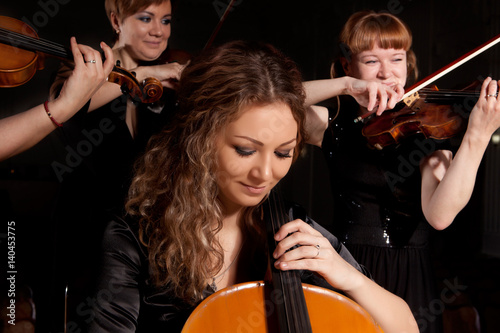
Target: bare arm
{"points": [[389, 311], [21, 131], [371, 95], [448, 183], [168, 74]]}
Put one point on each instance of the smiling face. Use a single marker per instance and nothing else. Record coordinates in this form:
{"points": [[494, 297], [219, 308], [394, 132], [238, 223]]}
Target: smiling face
{"points": [[254, 153], [145, 34], [387, 66]]}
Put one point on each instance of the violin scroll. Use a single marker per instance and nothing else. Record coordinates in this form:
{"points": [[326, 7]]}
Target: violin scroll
{"points": [[22, 53], [147, 92], [152, 89]]}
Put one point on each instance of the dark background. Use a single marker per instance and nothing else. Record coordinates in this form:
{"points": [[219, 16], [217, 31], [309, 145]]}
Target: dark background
{"points": [[468, 251]]}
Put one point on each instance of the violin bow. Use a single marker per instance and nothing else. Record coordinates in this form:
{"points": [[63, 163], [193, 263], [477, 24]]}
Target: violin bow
{"points": [[219, 25], [452, 66]]}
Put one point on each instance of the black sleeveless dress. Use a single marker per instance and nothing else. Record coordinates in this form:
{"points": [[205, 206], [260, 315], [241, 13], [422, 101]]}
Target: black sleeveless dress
{"points": [[378, 215]]}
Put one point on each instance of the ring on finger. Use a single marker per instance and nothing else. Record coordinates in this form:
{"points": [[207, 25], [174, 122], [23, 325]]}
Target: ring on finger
{"points": [[317, 248]]}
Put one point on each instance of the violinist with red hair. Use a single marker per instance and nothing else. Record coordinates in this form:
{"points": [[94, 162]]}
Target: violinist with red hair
{"points": [[387, 202]]}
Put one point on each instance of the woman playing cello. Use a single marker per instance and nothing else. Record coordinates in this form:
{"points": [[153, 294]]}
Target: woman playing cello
{"points": [[192, 225]]}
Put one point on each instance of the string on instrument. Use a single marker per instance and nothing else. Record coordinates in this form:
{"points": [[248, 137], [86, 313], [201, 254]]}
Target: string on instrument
{"points": [[278, 305], [34, 44], [437, 114], [16, 70], [292, 311], [412, 93]]}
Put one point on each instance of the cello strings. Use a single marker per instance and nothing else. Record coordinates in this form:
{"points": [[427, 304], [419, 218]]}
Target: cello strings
{"points": [[275, 225], [280, 275], [295, 308]]}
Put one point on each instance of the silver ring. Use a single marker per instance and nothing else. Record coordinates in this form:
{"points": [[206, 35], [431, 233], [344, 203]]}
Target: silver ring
{"points": [[317, 247], [91, 61], [491, 96]]}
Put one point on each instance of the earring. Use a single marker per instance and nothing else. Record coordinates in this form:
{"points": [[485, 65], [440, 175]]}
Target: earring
{"points": [[117, 31]]}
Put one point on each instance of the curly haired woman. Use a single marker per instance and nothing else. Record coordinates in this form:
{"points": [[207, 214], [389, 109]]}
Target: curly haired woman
{"points": [[193, 225]]}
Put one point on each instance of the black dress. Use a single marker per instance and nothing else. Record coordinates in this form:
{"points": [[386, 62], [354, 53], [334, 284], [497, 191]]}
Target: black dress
{"points": [[126, 301], [378, 215]]}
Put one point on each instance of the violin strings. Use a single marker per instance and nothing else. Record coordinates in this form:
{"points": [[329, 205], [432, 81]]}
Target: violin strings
{"points": [[439, 95], [32, 44], [35, 45], [19, 36], [447, 91]]}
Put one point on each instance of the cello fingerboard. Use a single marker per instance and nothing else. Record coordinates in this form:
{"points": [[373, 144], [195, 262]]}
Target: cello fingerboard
{"points": [[287, 293]]}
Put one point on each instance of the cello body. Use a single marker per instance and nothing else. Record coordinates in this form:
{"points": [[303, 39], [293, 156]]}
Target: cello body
{"points": [[249, 307]]}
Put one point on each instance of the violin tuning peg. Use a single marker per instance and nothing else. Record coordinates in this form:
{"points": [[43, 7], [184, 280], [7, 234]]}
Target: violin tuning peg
{"points": [[118, 63]]}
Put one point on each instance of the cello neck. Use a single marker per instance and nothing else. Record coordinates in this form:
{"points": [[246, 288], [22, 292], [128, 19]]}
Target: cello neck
{"points": [[34, 44], [288, 294]]}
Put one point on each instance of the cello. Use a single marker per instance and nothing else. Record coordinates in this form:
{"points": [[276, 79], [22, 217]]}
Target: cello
{"points": [[22, 53], [280, 303]]}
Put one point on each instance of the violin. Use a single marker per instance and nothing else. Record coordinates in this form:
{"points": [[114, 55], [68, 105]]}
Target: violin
{"points": [[282, 303], [434, 113], [22, 53]]}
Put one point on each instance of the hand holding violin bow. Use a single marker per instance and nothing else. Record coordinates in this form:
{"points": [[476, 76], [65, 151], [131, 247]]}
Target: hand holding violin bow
{"points": [[373, 96]]}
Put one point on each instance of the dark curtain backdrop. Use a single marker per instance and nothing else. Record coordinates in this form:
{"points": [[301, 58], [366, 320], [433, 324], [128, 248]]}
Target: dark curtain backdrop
{"points": [[306, 31]]}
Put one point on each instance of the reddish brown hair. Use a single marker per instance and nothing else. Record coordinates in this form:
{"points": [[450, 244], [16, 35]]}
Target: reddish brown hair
{"points": [[364, 29]]}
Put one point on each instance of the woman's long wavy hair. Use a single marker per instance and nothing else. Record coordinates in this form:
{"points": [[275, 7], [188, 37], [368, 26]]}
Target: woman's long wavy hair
{"points": [[174, 193], [364, 29]]}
